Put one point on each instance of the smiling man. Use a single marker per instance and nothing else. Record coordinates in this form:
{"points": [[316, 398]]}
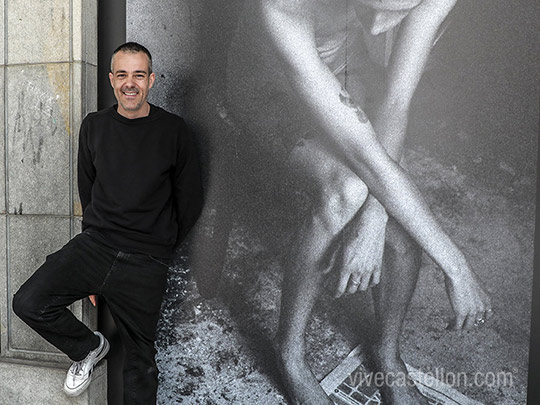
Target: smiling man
{"points": [[140, 191], [130, 83]]}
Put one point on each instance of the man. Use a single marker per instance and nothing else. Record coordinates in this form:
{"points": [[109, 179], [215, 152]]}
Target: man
{"points": [[339, 151], [140, 190]]}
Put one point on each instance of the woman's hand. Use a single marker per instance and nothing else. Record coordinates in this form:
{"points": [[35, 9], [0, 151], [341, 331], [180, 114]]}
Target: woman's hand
{"points": [[358, 258], [471, 304]]}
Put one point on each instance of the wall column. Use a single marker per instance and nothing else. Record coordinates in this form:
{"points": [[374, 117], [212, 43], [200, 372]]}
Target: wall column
{"points": [[48, 83]]}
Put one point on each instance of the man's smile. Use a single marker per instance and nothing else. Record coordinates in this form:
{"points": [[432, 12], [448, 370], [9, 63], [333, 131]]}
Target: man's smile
{"points": [[130, 92]]}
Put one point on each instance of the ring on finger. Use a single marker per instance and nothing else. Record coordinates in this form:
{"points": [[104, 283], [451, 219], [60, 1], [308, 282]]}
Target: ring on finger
{"points": [[479, 321]]}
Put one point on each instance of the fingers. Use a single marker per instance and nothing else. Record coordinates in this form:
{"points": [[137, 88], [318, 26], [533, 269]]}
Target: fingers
{"points": [[471, 304], [458, 322], [462, 321], [482, 317], [93, 299], [342, 284], [354, 283], [376, 277], [359, 282], [351, 283], [471, 321], [364, 282]]}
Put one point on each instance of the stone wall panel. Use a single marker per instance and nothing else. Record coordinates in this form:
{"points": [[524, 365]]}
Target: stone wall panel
{"points": [[3, 286], [39, 31], [47, 85], [2, 140], [38, 132], [90, 85], [89, 31], [31, 239], [2, 28], [81, 108]]}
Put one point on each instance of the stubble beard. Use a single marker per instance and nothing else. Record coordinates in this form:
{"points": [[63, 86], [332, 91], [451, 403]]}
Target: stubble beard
{"points": [[137, 107]]}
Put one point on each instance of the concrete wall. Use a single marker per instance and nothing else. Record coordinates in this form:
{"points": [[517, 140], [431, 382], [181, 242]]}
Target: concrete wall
{"points": [[48, 82]]}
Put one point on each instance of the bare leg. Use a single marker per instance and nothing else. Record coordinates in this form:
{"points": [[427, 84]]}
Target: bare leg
{"points": [[402, 260], [301, 286], [337, 196]]}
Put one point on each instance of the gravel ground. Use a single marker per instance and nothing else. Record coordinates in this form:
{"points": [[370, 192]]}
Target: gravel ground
{"points": [[219, 351]]}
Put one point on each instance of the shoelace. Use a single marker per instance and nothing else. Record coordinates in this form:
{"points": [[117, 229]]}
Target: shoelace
{"points": [[77, 368]]}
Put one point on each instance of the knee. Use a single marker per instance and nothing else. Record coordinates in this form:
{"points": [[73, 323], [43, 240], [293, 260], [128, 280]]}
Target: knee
{"points": [[22, 304], [27, 305], [353, 194], [339, 202]]}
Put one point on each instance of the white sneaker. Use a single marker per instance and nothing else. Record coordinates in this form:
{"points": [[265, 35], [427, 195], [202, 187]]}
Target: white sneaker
{"points": [[80, 373]]}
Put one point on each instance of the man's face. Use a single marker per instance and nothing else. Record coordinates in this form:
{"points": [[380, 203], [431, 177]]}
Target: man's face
{"points": [[131, 81]]}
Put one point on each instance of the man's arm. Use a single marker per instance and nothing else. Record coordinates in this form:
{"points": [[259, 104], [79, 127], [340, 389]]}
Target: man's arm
{"points": [[86, 172], [187, 186]]}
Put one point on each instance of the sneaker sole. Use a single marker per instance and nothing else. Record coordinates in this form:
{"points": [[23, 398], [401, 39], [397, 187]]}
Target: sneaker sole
{"points": [[81, 388]]}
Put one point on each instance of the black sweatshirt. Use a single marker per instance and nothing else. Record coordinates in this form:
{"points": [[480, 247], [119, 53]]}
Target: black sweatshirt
{"points": [[139, 180]]}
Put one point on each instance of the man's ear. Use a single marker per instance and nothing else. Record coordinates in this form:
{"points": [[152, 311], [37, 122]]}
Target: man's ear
{"points": [[152, 78], [111, 77]]}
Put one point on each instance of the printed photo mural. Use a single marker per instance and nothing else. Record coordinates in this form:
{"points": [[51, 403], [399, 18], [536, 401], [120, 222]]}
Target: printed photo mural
{"points": [[369, 171]]}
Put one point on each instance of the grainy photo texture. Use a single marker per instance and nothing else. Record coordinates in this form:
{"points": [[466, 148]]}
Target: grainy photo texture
{"points": [[369, 183]]}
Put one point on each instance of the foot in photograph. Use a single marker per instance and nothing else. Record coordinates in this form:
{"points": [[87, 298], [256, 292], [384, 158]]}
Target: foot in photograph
{"points": [[300, 384], [396, 388]]}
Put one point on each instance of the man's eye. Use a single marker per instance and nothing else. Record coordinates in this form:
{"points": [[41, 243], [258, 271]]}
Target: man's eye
{"points": [[120, 76], [139, 76]]}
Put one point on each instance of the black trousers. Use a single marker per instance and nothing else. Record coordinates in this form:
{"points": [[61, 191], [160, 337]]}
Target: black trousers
{"points": [[132, 284]]}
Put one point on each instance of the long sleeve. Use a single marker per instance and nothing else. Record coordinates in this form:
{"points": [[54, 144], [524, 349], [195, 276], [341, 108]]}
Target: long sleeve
{"points": [[86, 172], [188, 192], [139, 180]]}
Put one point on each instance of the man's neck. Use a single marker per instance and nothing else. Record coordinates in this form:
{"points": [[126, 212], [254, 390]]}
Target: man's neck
{"points": [[144, 111]]}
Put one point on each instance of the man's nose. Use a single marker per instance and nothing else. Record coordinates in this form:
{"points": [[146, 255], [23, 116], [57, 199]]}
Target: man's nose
{"points": [[130, 80]]}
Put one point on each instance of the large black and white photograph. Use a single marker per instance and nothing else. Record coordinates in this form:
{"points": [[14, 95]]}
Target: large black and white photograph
{"points": [[370, 182], [283, 202]]}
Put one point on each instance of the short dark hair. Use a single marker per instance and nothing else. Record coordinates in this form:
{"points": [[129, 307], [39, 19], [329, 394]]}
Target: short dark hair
{"points": [[133, 47]]}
